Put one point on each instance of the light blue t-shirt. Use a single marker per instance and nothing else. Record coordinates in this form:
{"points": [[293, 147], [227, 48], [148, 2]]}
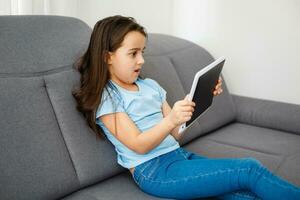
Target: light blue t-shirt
{"points": [[144, 107]]}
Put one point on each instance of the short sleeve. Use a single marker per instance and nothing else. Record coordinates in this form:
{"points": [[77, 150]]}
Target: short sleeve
{"points": [[163, 94], [161, 90], [110, 103]]}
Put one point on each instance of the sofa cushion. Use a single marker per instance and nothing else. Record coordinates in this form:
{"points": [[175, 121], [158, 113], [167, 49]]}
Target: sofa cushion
{"points": [[37, 44], [35, 163], [93, 159], [268, 113], [121, 186]]}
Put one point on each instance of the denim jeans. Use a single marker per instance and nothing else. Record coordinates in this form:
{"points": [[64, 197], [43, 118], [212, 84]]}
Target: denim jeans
{"points": [[181, 174]]}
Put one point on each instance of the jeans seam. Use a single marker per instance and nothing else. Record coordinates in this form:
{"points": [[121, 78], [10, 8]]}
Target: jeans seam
{"points": [[263, 176], [193, 177], [135, 179], [181, 152], [243, 195], [146, 164], [246, 196], [153, 169]]}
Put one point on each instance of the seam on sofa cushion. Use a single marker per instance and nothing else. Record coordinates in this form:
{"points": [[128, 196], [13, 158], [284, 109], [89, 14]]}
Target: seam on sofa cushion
{"points": [[280, 163], [66, 67], [61, 131], [248, 148], [284, 159]]}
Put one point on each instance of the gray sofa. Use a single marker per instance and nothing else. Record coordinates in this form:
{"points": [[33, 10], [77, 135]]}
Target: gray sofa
{"points": [[47, 150]]}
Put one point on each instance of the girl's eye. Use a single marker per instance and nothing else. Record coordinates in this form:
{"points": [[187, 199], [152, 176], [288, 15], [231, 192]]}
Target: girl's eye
{"points": [[135, 53]]}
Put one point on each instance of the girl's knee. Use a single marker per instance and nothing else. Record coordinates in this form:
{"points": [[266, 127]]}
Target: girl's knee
{"points": [[253, 162]]}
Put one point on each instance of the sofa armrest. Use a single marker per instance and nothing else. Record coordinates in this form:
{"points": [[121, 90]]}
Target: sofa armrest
{"points": [[267, 113]]}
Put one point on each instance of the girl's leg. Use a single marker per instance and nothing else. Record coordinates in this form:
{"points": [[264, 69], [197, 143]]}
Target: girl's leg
{"points": [[241, 194], [172, 175], [238, 195]]}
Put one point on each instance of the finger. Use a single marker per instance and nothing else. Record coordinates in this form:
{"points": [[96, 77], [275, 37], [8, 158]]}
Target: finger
{"points": [[188, 103], [219, 91], [188, 118], [183, 103], [219, 83], [187, 109], [219, 87], [187, 114], [216, 92]]}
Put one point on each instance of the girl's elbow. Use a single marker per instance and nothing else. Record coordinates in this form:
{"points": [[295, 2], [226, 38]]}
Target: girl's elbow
{"points": [[140, 149]]}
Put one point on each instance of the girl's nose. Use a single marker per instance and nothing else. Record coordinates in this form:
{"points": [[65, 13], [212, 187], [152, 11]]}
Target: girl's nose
{"points": [[141, 60]]}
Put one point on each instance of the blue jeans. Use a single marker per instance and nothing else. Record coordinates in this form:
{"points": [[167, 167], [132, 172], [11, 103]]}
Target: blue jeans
{"points": [[181, 174]]}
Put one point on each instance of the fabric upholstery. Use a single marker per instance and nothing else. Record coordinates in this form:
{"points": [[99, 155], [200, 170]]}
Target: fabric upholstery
{"points": [[267, 113], [118, 187], [35, 162], [47, 150], [37, 45]]}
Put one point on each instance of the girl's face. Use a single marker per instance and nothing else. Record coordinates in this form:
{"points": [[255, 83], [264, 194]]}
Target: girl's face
{"points": [[126, 62]]}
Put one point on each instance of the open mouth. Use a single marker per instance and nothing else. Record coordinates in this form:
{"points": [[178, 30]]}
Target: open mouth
{"points": [[137, 70]]}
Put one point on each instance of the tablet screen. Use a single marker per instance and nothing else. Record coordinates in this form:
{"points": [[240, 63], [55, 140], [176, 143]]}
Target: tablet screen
{"points": [[203, 95]]}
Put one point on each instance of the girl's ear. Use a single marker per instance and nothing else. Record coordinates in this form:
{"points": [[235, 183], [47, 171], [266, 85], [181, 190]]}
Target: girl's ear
{"points": [[108, 57]]}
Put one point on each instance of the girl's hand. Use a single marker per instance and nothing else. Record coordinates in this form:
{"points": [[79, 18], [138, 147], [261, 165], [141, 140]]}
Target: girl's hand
{"points": [[181, 112], [218, 89]]}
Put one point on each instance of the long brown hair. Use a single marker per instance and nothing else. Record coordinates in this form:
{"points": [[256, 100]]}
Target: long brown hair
{"points": [[107, 36]]}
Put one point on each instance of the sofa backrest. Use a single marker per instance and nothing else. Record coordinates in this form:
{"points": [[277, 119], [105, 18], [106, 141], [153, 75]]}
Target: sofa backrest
{"points": [[173, 62], [46, 148]]}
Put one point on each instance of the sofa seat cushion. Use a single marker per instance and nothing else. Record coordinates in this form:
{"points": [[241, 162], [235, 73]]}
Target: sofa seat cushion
{"points": [[279, 151], [121, 186]]}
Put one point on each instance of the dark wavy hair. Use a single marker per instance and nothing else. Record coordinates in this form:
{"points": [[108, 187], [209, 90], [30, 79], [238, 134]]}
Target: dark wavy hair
{"points": [[107, 36]]}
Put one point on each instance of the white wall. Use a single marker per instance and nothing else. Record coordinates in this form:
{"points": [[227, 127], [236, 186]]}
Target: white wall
{"points": [[154, 15], [259, 38]]}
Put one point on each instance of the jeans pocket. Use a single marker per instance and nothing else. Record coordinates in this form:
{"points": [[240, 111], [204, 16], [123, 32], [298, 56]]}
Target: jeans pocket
{"points": [[139, 169], [183, 153], [135, 176], [148, 173]]}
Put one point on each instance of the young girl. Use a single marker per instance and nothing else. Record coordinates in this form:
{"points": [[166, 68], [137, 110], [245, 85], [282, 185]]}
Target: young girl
{"points": [[133, 114]]}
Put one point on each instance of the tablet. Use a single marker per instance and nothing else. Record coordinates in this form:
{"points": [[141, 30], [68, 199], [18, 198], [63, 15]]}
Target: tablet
{"points": [[202, 89]]}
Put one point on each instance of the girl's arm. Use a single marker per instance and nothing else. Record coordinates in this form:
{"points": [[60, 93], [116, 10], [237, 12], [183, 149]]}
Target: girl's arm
{"points": [[166, 109], [124, 129], [129, 135]]}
